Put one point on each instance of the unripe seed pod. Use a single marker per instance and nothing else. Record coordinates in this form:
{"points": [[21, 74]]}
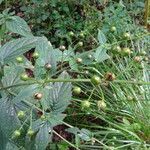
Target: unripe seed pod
{"points": [[77, 90], [71, 33], [19, 59], [130, 98], [30, 132], [126, 51], [137, 59], [62, 47], [43, 117], [21, 114], [90, 56], [35, 55], [82, 34], [80, 44], [95, 80], [110, 76], [24, 77], [101, 104], [16, 133], [113, 28], [48, 66], [143, 53], [38, 96], [85, 104], [127, 35], [79, 60]]}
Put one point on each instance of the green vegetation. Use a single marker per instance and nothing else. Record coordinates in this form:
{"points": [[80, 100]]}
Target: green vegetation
{"points": [[74, 74]]}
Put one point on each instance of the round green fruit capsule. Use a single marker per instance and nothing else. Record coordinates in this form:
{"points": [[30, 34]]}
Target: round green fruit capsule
{"points": [[71, 33], [101, 104], [24, 77], [79, 60], [82, 34], [43, 117], [127, 35], [30, 132], [80, 44], [90, 56], [16, 133], [19, 59], [95, 80], [126, 51], [85, 104], [117, 49], [113, 29], [21, 114], [77, 90], [35, 55]]}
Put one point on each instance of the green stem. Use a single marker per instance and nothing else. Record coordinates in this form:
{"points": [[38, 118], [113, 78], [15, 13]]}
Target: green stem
{"points": [[132, 82], [74, 80]]}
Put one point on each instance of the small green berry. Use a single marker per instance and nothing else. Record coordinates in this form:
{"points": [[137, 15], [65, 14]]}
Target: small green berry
{"points": [[21, 114], [71, 33], [43, 117], [79, 60], [113, 29], [101, 104], [16, 133], [35, 55], [95, 80], [80, 44], [82, 34], [117, 49], [19, 59], [24, 77], [127, 35], [77, 90], [126, 51], [90, 56], [62, 47], [85, 104], [30, 132]]}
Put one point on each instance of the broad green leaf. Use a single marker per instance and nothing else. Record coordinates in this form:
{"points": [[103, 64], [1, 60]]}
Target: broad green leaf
{"points": [[100, 54], [59, 95], [1, 1], [67, 54], [11, 76], [3, 141], [85, 57], [18, 25], [26, 93], [42, 137], [11, 146], [101, 38], [11, 49], [46, 55], [85, 135], [55, 119], [8, 118], [73, 64]]}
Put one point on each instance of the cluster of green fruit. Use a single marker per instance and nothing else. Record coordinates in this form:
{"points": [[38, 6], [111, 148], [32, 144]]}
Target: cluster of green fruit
{"points": [[95, 80], [21, 115]]}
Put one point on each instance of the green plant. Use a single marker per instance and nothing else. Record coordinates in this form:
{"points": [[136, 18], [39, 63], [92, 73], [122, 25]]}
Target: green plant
{"points": [[108, 106]]}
